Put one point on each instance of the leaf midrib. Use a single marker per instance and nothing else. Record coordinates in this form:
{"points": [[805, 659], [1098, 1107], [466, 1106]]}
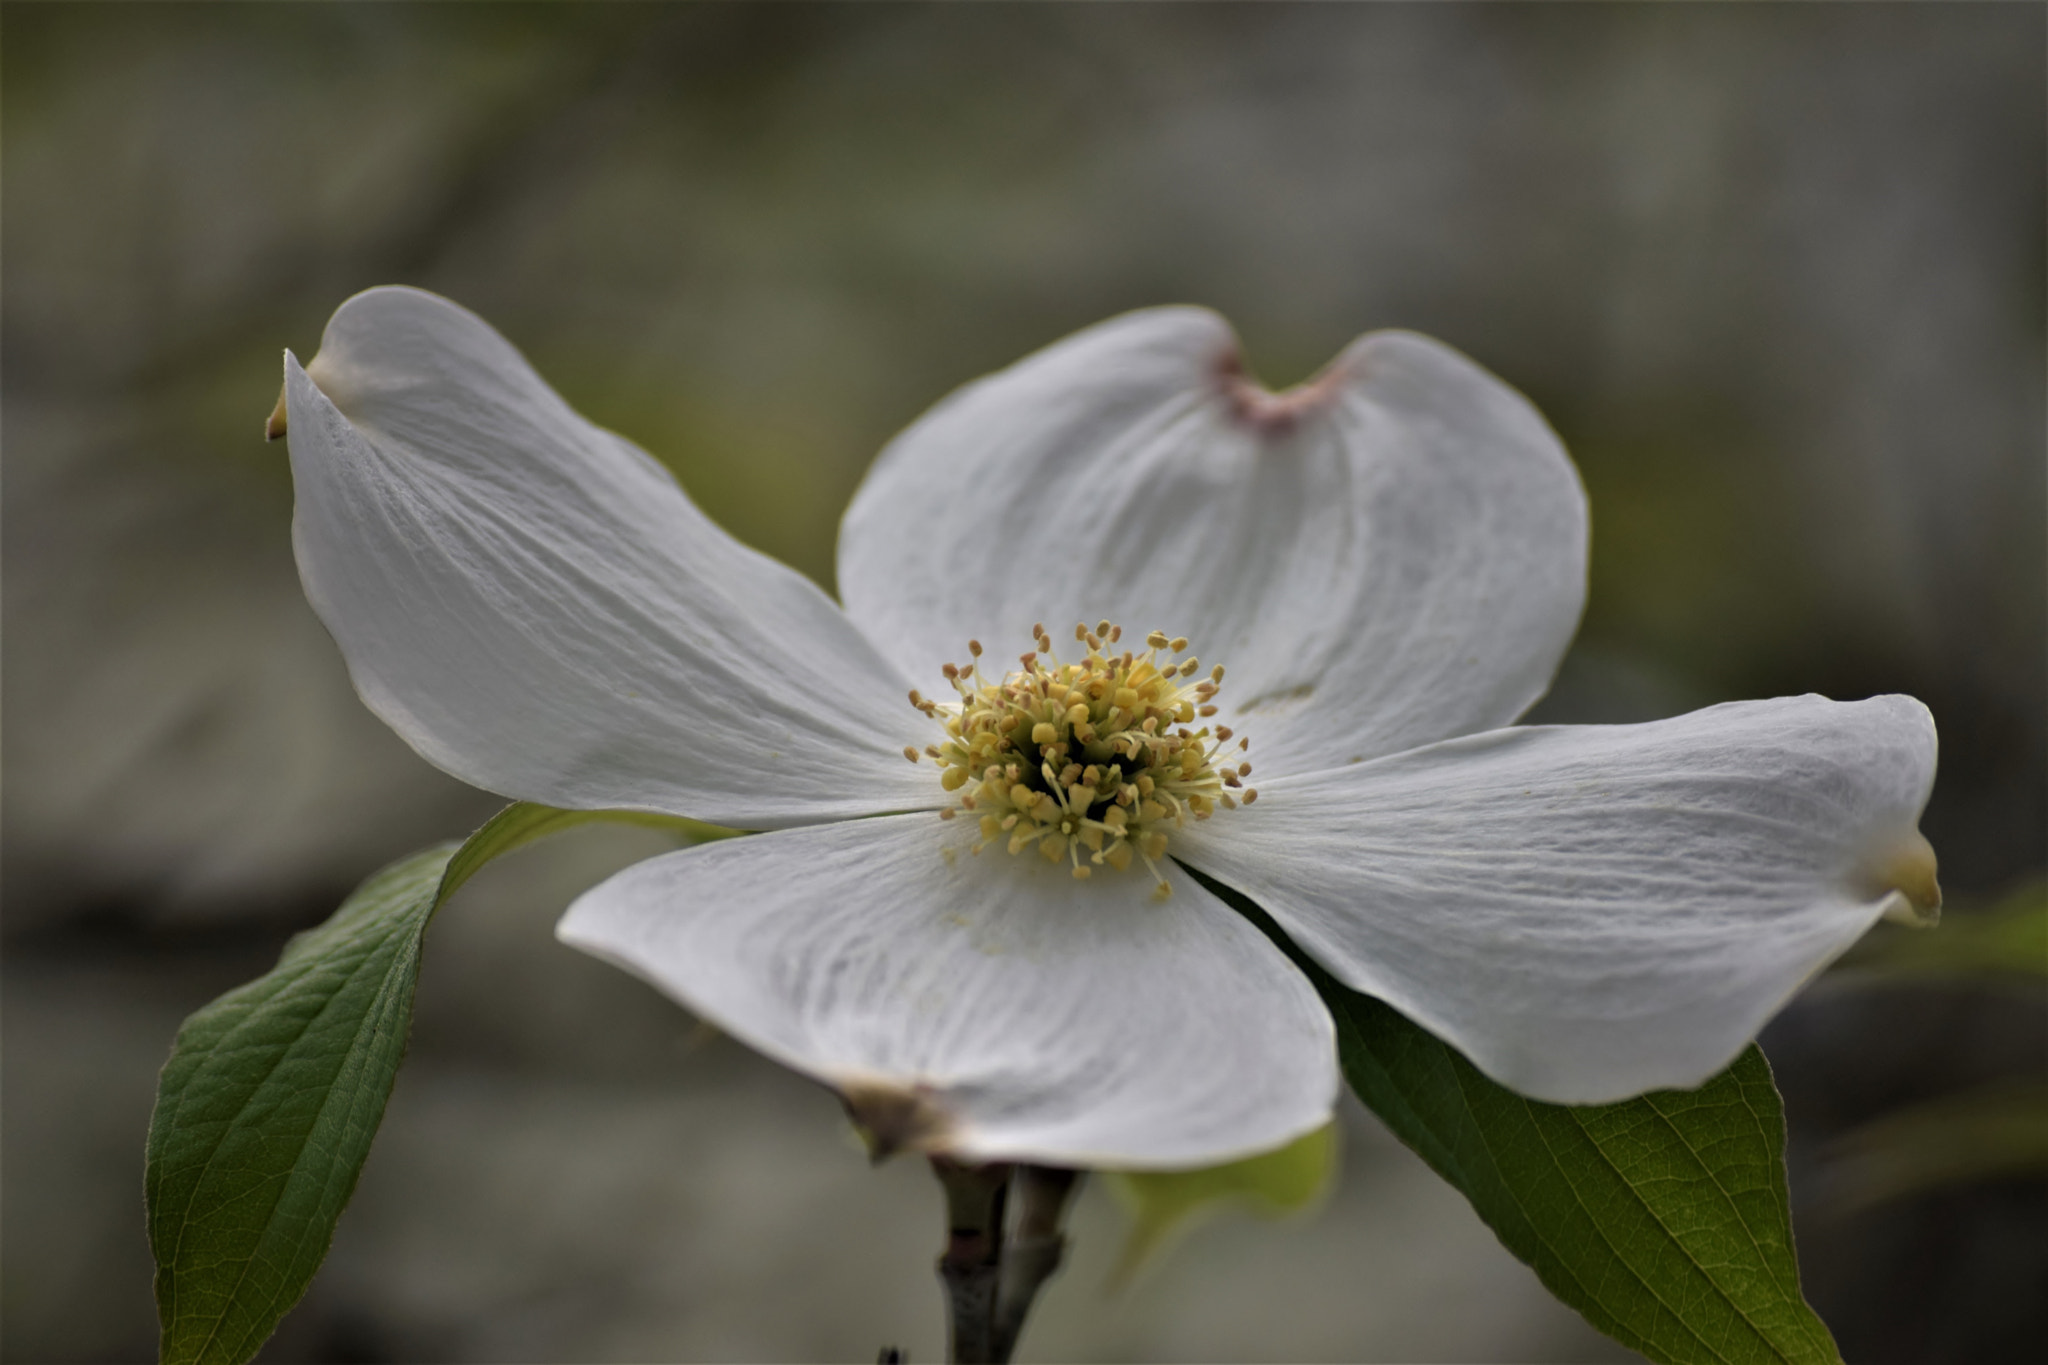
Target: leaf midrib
{"points": [[219, 1320], [1734, 1205], [1564, 1266], [1599, 1225]]}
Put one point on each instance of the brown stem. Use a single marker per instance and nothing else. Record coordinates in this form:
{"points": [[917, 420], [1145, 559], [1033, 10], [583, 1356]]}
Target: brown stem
{"points": [[971, 1266], [1034, 1254]]}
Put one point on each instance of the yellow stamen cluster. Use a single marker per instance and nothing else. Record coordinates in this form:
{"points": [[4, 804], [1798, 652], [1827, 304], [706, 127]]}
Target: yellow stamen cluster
{"points": [[1089, 763]]}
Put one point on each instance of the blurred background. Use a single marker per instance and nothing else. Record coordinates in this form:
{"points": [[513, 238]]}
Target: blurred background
{"points": [[1776, 274]]}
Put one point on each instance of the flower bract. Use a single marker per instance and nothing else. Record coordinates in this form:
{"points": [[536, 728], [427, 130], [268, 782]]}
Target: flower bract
{"points": [[1084, 600]]}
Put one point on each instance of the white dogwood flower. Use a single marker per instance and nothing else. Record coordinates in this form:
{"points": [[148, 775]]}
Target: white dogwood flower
{"points": [[969, 913]]}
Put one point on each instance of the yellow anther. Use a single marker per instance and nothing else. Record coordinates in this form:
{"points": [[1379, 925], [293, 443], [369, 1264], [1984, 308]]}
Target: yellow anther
{"points": [[1178, 644], [910, 752], [1095, 755]]}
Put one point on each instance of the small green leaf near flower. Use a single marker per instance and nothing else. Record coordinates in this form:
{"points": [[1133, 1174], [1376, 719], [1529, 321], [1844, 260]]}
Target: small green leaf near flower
{"points": [[1663, 1220], [1272, 1184], [273, 1093]]}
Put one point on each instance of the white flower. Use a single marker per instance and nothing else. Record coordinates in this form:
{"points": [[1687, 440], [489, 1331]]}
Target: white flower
{"points": [[1390, 561]]}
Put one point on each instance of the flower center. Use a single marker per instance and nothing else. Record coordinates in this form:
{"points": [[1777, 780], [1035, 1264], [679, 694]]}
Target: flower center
{"points": [[1090, 763]]}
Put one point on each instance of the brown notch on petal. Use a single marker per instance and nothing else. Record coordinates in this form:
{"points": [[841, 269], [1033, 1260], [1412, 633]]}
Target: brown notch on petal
{"points": [[274, 428], [891, 1119], [1907, 867], [1269, 413]]}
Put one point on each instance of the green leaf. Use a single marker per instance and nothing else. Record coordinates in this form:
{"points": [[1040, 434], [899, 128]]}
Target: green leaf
{"points": [[1663, 1219], [1271, 1184], [272, 1094]]}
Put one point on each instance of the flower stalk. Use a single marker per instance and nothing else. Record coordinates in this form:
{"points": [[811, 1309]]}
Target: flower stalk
{"points": [[1033, 1256], [992, 1277], [970, 1268]]}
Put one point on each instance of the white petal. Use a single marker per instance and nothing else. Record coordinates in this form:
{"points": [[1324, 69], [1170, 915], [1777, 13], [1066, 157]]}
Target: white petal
{"points": [[1393, 554], [1025, 1015], [535, 606], [1592, 912]]}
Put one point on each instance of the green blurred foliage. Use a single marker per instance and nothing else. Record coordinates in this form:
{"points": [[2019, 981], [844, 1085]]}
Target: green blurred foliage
{"points": [[2008, 938], [2000, 1133], [1988, 1132], [1273, 1184]]}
